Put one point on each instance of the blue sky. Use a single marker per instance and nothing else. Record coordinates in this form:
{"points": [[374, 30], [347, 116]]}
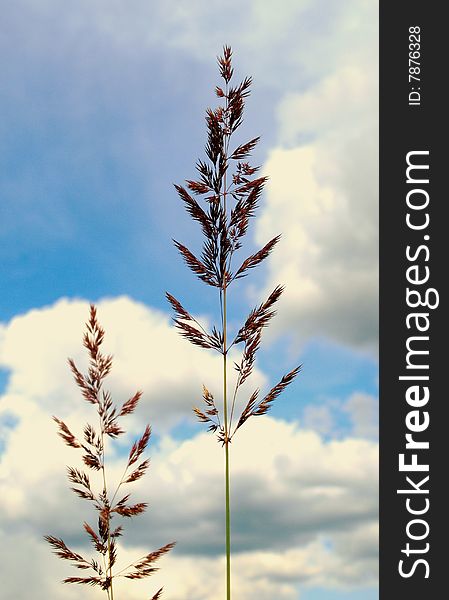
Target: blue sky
{"points": [[102, 111]]}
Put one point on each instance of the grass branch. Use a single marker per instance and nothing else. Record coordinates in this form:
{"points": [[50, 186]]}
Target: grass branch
{"points": [[94, 447], [231, 190]]}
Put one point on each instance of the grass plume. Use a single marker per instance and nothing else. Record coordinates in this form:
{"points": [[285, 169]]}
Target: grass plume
{"points": [[108, 503], [223, 200]]}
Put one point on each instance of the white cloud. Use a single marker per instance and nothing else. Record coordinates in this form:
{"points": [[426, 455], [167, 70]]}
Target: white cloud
{"points": [[363, 410], [304, 513], [356, 416], [322, 195], [305, 38], [319, 418], [301, 506], [149, 355], [339, 104]]}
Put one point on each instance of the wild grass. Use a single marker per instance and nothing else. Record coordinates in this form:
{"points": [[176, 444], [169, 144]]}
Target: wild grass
{"points": [[109, 502], [228, 190]]}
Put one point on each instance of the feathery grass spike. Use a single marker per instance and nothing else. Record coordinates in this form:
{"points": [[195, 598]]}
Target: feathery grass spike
{"points": [[228, 192], [105, 502]]}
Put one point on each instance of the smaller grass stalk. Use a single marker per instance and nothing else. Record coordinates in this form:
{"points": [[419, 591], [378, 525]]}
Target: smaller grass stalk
{"points": [[230, 192], [109, 503]]}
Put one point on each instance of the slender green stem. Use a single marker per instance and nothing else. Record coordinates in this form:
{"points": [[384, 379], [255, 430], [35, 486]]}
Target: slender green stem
{"points": [[227, 491], [228, 529]]}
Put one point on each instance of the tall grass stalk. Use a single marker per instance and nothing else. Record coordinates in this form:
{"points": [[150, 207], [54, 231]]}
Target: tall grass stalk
{"points": [[107, 501], [230, 193]]}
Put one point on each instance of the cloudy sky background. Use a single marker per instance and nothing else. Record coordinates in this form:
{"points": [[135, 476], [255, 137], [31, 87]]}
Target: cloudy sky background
{"points": [[102, 109]]}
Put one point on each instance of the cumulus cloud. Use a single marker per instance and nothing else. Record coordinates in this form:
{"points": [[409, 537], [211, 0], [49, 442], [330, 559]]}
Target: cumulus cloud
{"points": [[339, 103], [304, 513], [357, 416], [149, 354], [301, 505], [305, 37], [363, 411], [323, 196], [320, 418]]}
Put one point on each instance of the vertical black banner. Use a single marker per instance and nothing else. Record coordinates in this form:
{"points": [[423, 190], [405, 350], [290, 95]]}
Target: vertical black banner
{"points": [[414, 359]]}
